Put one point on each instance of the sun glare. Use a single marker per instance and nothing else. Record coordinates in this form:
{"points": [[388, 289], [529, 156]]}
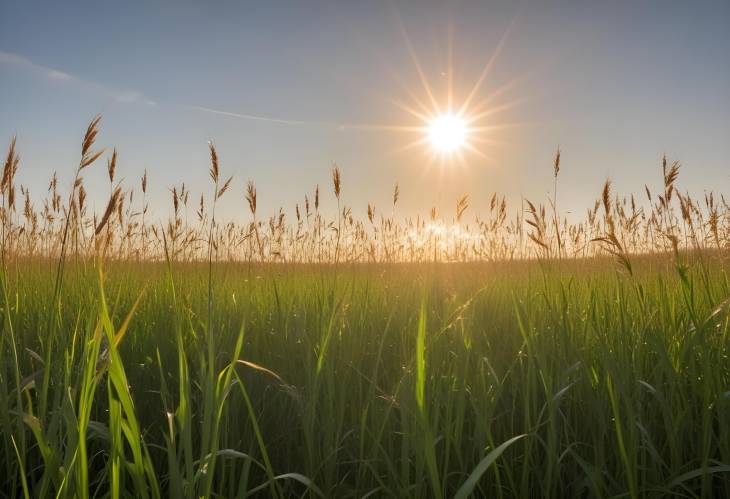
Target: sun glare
{"points": [[447, 133], [455, 122]]}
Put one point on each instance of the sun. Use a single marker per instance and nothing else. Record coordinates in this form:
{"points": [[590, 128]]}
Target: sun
{"points": [[447, 133], [458, 123]]}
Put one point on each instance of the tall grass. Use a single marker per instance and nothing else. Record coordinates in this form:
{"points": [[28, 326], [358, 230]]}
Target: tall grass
{"points": [[618, 224], [548, 358]]}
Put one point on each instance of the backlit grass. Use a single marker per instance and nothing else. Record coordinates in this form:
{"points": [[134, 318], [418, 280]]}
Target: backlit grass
{"points": [[204, 359]]}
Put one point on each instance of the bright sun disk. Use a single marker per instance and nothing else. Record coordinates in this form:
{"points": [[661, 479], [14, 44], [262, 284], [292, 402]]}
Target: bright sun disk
{"points": [[447, 133]]}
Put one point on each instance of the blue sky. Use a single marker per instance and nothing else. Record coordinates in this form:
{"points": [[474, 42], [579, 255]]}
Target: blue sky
{"points": [[615, 84]]}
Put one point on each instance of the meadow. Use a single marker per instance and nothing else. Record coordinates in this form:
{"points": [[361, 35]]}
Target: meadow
{"points": [[513, 353]]}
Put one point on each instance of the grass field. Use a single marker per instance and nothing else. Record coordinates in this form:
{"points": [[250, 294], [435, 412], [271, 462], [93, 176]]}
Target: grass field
{"points": [[325, 365], [391, 380]]}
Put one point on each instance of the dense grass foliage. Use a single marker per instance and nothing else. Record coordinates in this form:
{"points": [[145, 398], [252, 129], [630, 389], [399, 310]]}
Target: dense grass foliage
{"points": [[422, 380]]}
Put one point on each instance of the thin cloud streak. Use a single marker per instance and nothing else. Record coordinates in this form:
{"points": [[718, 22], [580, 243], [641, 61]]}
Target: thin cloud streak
{"points": [[123, 96], [333, 124], [268, 119]]}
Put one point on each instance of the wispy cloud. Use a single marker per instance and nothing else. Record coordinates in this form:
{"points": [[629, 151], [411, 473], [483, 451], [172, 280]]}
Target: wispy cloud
{"points": [[329, 124], [269, 119], [51, 74]]}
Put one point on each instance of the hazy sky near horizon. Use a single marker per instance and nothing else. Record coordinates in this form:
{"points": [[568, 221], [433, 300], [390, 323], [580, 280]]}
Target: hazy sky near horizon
{"points": [[307, 84]]}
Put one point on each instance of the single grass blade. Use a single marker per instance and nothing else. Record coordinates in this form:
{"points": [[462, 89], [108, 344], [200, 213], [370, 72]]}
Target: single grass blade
{"points": [[289, 476], [724, 468], [23, 480], [467, 488]]}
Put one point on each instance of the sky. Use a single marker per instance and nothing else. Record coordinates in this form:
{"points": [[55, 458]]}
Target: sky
{"points": [[287, 89]]}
